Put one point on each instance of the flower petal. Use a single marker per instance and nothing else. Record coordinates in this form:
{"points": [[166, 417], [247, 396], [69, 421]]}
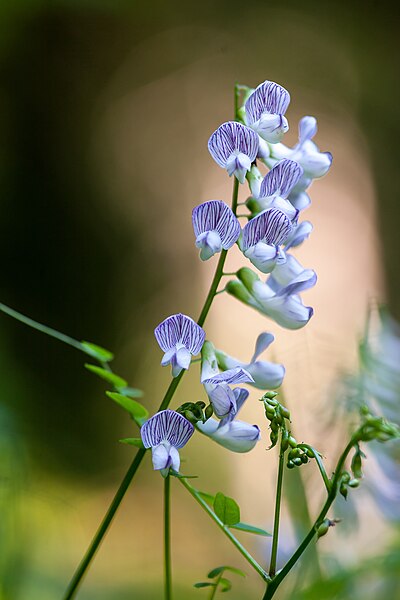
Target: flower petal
{"points": [[231, 376], [166, 425], [263, 342], [266, 375], [299, 234], [237, 436], [215, 215], [271, 226], [180, 329], [223, 400], [232, 138], [307, 128], [281, 179], [268, 97], [263, 256], [160, 457]]}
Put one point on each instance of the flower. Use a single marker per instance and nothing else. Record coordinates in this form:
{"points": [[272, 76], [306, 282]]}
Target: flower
{"points": [[262, 236], [234, 147], [224, 400], [234, 435], [179, 337], [278, 297], [215, 227], [265, 109], [266, 375], [166, 432], [276, 187]]}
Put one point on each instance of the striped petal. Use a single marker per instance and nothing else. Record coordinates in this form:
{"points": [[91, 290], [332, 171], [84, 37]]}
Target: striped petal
{"points": [[215, 218], [223, 400], [234, 147], [180, 329], [268, 97], [231, 376], [271, 226], [166, 426], [281, 179]]}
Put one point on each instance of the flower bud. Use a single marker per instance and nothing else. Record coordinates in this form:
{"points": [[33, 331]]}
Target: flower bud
{"points": [[247, 277], [209, 411], [297, 461], [290, 464], [343, 490], [292, 442], [323, 528], [238, 290], [356, 464], [353, 483]]}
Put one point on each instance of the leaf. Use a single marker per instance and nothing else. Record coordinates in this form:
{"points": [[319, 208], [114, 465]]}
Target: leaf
{"points": [[203, 584], [132, 442], [226, 509], [218, 570], [207, 497], [98, 352], [251, 529], [132, 392], [115, 380], [137, 411], [225, 584]]}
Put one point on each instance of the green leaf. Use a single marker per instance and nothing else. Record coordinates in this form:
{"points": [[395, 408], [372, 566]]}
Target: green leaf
{"points": [[251, 529], [218, 570], [132, 392], [203, 584], [132, 442], [207, 497], [226, 509], [115, 380], [137, 411], [225, 584], [98, 352]]}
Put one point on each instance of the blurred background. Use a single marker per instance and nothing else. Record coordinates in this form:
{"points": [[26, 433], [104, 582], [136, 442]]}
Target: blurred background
{"points": [[105, 112]]}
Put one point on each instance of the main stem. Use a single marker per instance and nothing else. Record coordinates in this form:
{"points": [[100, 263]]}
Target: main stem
{"points": [[102, 530], [274, 584], [278, 499], [167, 539]]}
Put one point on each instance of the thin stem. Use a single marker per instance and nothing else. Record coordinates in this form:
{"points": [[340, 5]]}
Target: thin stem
{"points": [[79, 573], [225, 529], [98, 538], [273, 585], [278, 500], [215, 588], [320, 464], [167, 539], [66, 339]]}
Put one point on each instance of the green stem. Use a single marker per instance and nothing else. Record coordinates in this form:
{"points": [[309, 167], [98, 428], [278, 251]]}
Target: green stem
{"points": [[66, 339], [273, 585], [278, 500], [79, 573], [224, 529], [215, 588], [167, 539], [98, 538], [320, 464]]}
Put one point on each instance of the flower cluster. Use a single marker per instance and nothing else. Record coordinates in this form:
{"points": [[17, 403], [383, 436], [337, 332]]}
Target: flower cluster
{"points": [[272, 229]]}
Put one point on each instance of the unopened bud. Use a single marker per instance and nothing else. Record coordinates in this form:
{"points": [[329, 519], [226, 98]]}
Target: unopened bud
{"points": [[285, 412], [209, 411], [292, 442], [297, 461], [343, 490], [323, 528], [290, 464], [353, 483]]}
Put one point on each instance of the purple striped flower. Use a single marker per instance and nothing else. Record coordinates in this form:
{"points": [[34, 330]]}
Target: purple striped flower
{"points": [[165, 433], [234, 147], [278, 297], [179, 337], [215, 227], [277, 185], [225, 401], [262, 237], [265, 110]]}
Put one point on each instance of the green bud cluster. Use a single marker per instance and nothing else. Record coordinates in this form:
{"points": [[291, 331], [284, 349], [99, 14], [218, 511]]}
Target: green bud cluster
{"points": [[347, 481], [376, 428], [298, 455], [196, 411], [276, 413]]}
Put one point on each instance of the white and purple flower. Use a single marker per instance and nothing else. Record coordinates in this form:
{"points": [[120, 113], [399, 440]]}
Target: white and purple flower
{"points": [[276, 187], [215, 227], [265, 109], [234, 147], [262, 237], [266, 375], [278, 297], [224, 399], [179, 337], [165, 433]]}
